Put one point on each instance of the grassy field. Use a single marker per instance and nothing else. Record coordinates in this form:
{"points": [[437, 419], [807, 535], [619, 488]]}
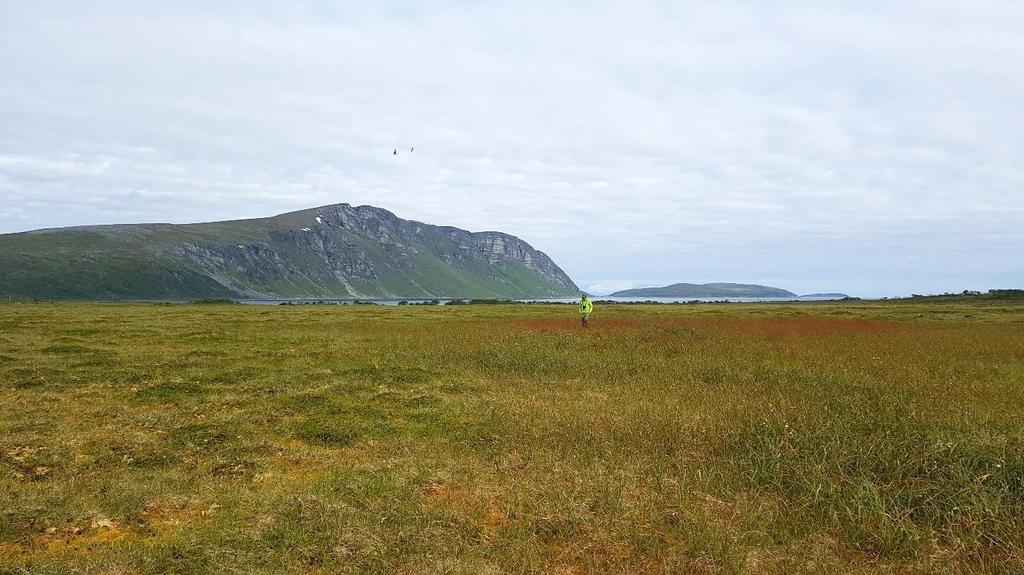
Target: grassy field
{"points": [[774, 438]]}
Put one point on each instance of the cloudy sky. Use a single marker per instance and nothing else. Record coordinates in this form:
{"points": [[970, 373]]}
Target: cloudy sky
{"points": [[870, 147]]}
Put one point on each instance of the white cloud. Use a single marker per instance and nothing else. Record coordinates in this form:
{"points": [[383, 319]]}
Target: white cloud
{"points": [[867, 147]]}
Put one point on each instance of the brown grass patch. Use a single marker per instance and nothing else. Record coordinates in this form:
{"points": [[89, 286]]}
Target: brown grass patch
{"points": [[163, 518], [100, 532], [479, 508], [160, 519]]}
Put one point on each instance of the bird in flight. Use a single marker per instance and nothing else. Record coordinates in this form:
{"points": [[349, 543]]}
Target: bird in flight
{"points": [[412, 148], [395, 152]]}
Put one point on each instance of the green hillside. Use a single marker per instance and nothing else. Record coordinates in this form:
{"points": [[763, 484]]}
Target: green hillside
{"points": [[707, 290]]}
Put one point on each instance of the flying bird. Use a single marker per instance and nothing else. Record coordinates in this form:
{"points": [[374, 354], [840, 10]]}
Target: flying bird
{"points": [[411, 149], [395, 152]]}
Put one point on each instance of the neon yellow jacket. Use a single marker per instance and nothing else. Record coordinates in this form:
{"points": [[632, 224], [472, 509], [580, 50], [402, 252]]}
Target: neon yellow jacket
{"points": [[586, 306]]}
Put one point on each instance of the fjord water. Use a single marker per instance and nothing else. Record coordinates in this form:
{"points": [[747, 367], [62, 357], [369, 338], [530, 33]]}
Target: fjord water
{"points": [[616, 299]]}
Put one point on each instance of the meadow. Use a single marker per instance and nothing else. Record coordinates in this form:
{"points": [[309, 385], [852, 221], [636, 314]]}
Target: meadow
{"points": [[852, 437]]}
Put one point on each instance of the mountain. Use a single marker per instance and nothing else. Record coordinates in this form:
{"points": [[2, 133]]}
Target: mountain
{"points": [[829, 295], [336, 251], [707, 290]]}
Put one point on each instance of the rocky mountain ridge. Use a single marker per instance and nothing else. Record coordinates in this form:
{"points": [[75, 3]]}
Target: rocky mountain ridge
{"points": [[334, 251]]}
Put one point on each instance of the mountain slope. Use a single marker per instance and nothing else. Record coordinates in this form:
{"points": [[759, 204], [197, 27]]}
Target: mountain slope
{"points": [[336, 251], [707, 290]]}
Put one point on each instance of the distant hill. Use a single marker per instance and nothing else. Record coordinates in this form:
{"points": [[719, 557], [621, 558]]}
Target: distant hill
{"points": [[992, 295], [707, 290], [336, 251]]}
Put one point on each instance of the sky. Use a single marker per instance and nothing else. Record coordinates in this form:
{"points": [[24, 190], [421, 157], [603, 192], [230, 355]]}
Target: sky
{"points": [[870, 147]]}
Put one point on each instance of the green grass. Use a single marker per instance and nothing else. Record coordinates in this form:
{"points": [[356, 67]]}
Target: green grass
{"points": [[850, 437]]}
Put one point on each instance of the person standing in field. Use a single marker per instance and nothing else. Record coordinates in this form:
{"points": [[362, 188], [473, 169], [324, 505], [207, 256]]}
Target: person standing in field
{"points": [[586, 307]]}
